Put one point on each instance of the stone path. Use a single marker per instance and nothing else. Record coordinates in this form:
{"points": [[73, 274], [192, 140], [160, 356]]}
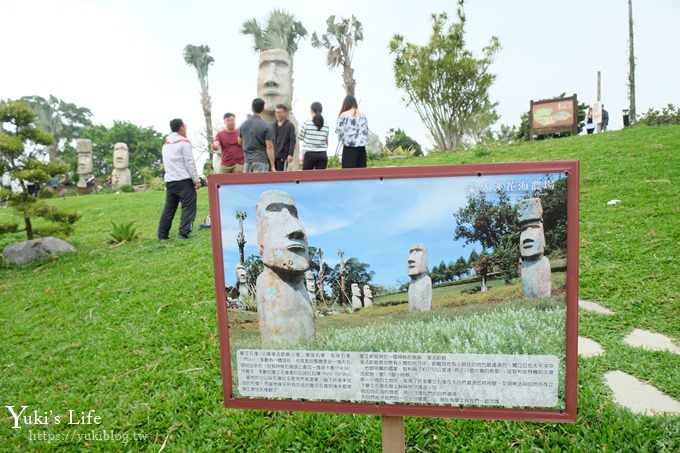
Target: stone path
{"points": [[589, 348], [629, 392], [639, 397], [594, 307], [652, 341]]}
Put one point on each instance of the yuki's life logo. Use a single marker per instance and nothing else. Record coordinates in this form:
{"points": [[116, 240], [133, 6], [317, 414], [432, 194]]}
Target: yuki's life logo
{"points": [[22, 417]]}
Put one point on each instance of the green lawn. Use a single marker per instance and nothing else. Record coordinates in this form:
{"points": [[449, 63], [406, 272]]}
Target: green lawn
{"points": [[131, 331]]}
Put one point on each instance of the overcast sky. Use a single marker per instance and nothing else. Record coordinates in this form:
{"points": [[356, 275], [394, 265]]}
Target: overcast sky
{"points": [[123, 58], [357, 215]]}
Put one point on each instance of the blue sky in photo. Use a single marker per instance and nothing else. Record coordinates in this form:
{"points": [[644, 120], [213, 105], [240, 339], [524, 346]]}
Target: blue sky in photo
{"points": [[374, 221]]}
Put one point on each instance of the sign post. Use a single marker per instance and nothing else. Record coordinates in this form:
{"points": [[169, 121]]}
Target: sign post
{"points": [[553, 116], [347, 347]]}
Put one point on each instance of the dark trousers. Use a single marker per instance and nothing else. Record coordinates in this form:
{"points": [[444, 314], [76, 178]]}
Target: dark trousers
{"points": [[353, 157], [176, 192], [315, 160], [281, 164]]}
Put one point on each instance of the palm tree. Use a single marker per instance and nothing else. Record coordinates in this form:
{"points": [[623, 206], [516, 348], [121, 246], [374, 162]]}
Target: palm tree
{"points": [[282, 31], [199, 57], [63, 120], [341, 39]]}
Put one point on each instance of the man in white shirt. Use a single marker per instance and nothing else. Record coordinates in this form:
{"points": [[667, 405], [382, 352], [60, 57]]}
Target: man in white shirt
{"points": [[181, 182]]}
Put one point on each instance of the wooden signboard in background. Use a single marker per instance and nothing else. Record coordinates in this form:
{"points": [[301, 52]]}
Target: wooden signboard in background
{"points": [[514, 359], [554, 116]]}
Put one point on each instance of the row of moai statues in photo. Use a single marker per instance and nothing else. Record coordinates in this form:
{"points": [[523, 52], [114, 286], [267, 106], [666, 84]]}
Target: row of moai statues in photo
{"points": [[357, 301], [121, 159], [285, 289]]}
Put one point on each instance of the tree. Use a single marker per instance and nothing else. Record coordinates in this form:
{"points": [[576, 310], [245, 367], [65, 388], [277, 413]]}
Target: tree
{"points": [[397, 138], [282, 31], [554, 203], [460, 267], [341, 39], [144, 145], [254, 268], [493, 226], [27, 169], [199, 57], [63, 120], [355, 272], [445, 83]]}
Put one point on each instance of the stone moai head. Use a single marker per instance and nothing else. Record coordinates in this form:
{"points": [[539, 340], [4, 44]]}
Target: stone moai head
{"points": [[84, 150], [275, 79], [121, 156], [356, 291], [309, 281], [367, 291], [280, 235], [241, 274], [532, 237], [417, 260]]}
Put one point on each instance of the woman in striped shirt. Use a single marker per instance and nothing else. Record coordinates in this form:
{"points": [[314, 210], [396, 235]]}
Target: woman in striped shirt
{"points": [[314, 140]]}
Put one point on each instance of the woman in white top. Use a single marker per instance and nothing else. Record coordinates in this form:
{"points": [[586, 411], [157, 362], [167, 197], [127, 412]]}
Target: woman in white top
{"points": [[314, 140], [352, 130]]}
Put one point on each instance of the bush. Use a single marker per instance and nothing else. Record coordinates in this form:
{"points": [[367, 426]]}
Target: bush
{"points": [[46, 193], [669, 115], [397, 141], [126, 188], [156, 184], [123, 232]]}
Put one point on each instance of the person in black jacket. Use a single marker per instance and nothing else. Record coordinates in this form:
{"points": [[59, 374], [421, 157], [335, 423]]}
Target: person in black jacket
{"points": [[284, 138]]}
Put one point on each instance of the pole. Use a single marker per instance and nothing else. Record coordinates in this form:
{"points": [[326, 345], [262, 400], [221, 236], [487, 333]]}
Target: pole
{"points": [[598, 103], [341, 254], [393, 434], [631, 64]]}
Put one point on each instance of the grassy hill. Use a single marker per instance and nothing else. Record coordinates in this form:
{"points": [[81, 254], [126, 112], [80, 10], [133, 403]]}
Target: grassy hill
{"points": [[131, 333]]}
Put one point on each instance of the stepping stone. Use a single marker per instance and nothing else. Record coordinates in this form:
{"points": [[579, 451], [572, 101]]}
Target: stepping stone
{"points": [[596, 308], [589, 348], [649, 340], [639, 397]]}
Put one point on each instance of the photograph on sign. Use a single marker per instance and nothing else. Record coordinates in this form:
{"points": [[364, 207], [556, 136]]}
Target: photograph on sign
{"points": [[441, 291], [554, 116]]}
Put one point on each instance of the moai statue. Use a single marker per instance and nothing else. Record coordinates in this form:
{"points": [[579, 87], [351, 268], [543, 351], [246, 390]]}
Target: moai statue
{"points": [[535, 271], [368, 296], [121, 159], [84, 150], [275, 86], [242, 275], [311, 286], [420, 288], [356, 297], [285, 311]]}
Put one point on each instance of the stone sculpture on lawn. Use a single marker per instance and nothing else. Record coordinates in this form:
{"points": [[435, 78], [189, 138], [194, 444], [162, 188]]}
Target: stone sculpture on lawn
{"points": [[242, 276], [286, 314], [535, 271], [420, 288], [84, 151], [356, 297], [121, 160], [311, 286], [368, 296]]}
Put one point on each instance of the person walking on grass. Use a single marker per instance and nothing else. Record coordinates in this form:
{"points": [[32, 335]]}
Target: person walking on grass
{"points": [[352, 130], [228, 143], [257, 136], [181, 182], [314, 140]]}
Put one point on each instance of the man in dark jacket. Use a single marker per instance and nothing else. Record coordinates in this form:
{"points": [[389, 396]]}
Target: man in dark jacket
{"points": [[284, 138]]}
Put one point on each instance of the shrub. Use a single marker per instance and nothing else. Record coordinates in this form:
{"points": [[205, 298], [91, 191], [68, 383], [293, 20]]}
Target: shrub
{"points": [[46, 193], [397, 141], [156, 184], [126, 188], [669, 115], [123, 232]]}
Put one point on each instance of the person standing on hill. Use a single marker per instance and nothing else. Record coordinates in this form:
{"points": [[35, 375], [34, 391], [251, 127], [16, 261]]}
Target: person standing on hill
{"points": [[605, 120], [590, 122], [181, 182], [314, 140], [352, 130], [284, 138], [228, 142], [257, 136]]}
